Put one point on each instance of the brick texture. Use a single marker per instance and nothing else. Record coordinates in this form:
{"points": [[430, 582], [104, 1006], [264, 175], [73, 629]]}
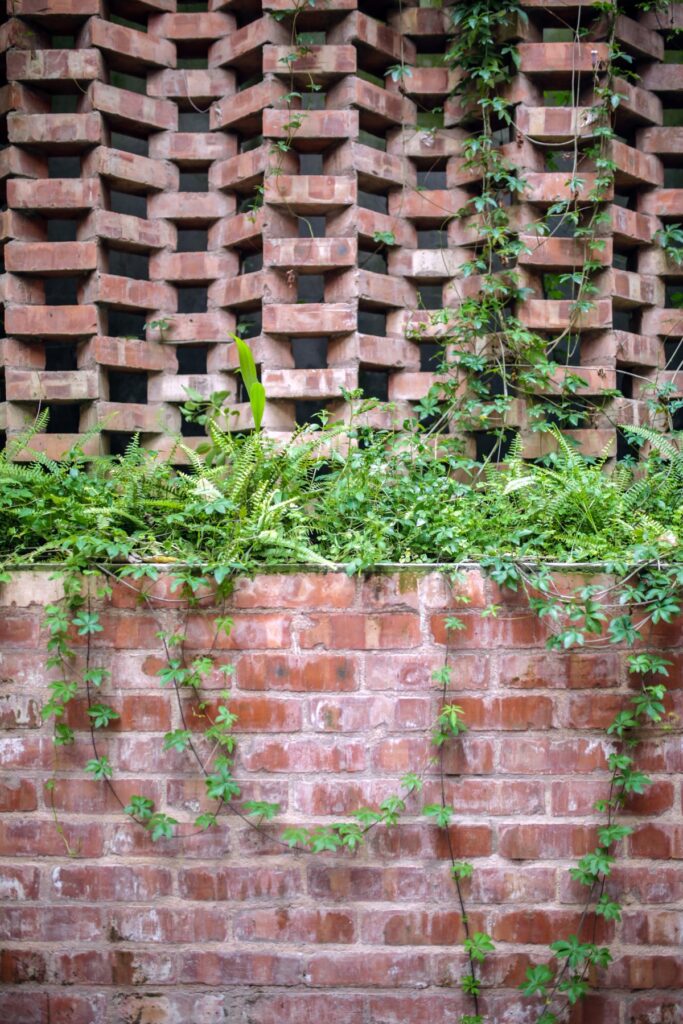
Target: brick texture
{"points": [[134, 145], [334, 695]]}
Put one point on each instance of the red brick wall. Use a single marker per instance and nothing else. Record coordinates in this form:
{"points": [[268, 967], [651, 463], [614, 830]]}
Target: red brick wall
{"points": [[334, 695]]}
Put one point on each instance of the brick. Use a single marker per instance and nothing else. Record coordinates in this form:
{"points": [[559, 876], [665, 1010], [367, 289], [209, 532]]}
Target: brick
{"points": [[70, 133], [127, 47], [310, 194], [125, 231], [129, 110], [201, 86], [129, 172], [245, 112], [338, 632], [51, 321], [82, 65], [311, 319], [54, 195], [51, 258], [108, 882]]}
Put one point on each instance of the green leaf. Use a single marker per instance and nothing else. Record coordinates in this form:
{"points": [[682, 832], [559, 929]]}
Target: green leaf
{"points": [[478, 946], [440, 814], [139, 807], [261, 809], [179, 740], [161, 826], [537, 980], [102, 715], [100, 768]]}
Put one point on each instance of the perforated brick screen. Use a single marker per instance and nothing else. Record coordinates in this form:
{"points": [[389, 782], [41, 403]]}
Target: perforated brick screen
{"points": [[149, 210]]}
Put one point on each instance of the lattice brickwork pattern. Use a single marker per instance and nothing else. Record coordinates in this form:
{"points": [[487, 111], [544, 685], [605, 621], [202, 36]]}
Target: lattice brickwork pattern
{"points": [[136, 138]]}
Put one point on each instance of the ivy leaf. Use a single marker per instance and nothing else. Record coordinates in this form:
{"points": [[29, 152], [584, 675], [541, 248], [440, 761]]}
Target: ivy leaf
{"points": [[296, 837], [537, 980], [440, 814], [574, 988], [161, 826], [102, 715], [179, 740], [608, 909], [206, 821], [478, 946], [411, 782], [63, 736], [87, 623], [261, 809], [100, 768], [139, 807], [462, 870]]}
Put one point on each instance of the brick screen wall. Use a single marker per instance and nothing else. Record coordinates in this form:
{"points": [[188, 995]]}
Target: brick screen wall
{"points": [[137, 135], [334, 694]]}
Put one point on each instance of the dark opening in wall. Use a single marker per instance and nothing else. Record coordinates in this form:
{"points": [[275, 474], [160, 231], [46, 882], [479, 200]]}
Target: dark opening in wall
{"points": [[129, 264], [251, 262], [62, 291], [193, 63], [62, 42], [673, 177], [188, 428], [431, 178], [130, 144], [192, 240], [626, 448], [63, 103], [64, 419], [430, 296], [307, 412], [192, 358], [249, 324], [192, 299], [371, 321], [434, 238], [310, 163], [673, 354], [64, 167], [133, 83], [431, 356], [60, 357], [193, 121], [312, 227], [493, 446], [126, 202], [374, 141], [253, 142], [374, 261], [627, 202], [374, 384], [59, 230], [310, 288], [140, 23], [129, 387], [122, 324], [310, 353], [626, 260], [626, 320], [567, 351], [373, 201], [119, 442], [625, 383], [194, 181]]}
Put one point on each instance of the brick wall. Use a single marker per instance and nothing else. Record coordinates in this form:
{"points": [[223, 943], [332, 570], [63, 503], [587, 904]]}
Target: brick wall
{"points": [[334, 695], [135, 135]]}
